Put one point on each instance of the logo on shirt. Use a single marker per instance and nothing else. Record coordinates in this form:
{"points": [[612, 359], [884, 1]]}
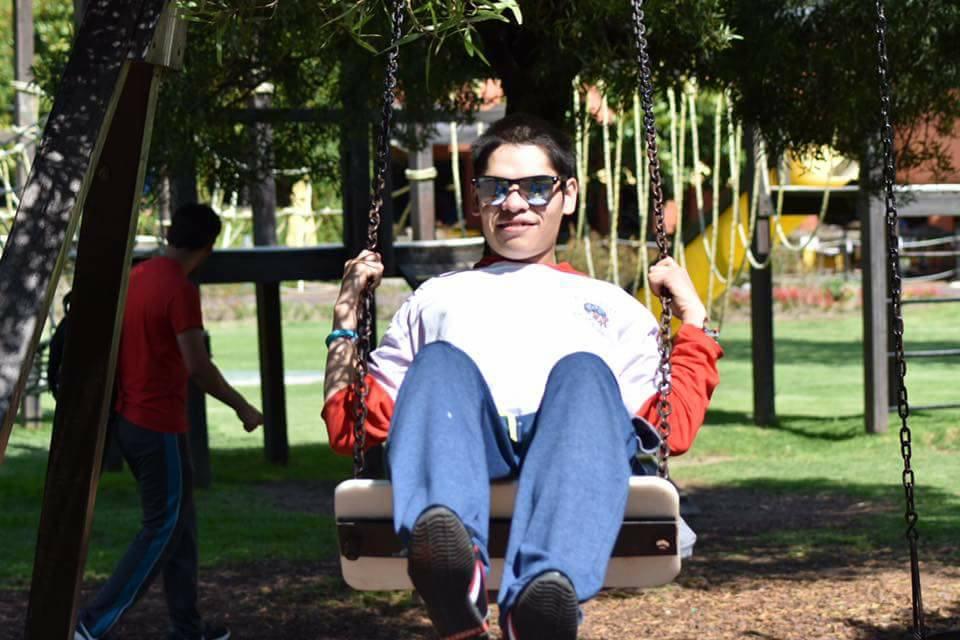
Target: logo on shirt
{"points": [[597, 313]]}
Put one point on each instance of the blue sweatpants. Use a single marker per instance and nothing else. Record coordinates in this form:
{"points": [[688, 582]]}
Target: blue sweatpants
{"points": [[167, 541], [573, 458]]}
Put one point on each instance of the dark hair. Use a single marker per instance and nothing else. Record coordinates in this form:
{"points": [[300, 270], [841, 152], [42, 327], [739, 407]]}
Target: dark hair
{"points": [[522, 128], [194, 226]]}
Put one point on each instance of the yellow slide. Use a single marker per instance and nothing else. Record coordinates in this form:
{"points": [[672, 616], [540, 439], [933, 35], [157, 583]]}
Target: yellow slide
{"points": [[810, 172]]}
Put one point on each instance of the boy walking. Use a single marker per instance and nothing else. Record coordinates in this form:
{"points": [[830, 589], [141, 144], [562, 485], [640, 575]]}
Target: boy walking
{"points": [[520, 368], [161, 346]]}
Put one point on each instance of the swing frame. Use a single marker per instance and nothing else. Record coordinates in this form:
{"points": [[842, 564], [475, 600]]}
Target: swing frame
{"points": [[648, 550]]}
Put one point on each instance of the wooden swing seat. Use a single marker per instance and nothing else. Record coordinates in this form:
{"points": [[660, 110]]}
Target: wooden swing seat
{"points": [[647, 553]]}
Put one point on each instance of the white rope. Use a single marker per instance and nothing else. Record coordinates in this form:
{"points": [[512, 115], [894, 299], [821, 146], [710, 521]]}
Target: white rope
{"points": [[745, 235], [617, 177], [455, 166], [933, 242], [613, 269], [697, 177], [420, 175], [733, 152], [583, 177], [711, 248], [778, 213], [679, 248]]}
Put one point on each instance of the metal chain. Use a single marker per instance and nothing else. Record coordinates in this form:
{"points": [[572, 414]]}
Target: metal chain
{"points": [[900, 366], [365, 312], [663, 244]]}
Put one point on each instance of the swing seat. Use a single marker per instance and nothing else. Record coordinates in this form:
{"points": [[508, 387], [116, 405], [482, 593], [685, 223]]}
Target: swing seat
{"points": [[648, 551]]}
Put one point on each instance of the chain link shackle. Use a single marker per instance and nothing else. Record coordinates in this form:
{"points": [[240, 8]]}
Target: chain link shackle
{"points": [[896, 295], [365, 313], [663, 244]]}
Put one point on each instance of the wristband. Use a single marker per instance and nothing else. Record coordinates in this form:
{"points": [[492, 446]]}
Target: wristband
{"points": [[710, 331], [336, 334]]}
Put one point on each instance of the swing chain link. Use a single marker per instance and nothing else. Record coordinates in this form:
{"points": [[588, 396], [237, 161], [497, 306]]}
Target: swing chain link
{"points": [[896, 295], [361, 389], [664, 408]]}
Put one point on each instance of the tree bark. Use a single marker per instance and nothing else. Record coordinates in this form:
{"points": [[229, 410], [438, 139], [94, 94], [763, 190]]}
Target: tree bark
{"points": [[263, 185], [514, 53]]}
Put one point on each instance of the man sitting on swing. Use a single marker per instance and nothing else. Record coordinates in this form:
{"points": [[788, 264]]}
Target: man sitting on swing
{"points": [[519, 368]]}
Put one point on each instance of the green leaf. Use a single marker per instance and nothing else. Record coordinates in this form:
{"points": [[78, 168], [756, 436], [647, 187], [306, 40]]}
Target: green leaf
{"points": [[363, 43]]}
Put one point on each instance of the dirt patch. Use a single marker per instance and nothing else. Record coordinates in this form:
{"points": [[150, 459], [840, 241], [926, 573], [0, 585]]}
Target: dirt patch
{"points": [[735, 587], [314, 497], [726, 514]]}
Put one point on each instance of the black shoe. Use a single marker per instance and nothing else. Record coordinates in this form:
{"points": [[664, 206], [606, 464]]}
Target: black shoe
{"points": [[447, 572], [547, 609], [210, 632]]}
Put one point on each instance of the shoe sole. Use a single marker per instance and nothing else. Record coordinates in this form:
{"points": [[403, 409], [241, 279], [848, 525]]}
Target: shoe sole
{"points": [[440, 564], [547, 609]]}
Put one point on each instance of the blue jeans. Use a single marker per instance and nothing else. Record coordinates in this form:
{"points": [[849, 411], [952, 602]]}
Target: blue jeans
{"points": [[167, 541], [573, 458]]}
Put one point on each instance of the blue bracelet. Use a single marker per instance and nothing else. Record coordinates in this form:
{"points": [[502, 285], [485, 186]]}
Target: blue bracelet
{"points": [[336, 334]]}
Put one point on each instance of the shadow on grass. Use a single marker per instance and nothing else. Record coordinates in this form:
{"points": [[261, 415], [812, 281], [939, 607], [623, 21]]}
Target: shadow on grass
{"points": [[814, 528], [809, 427]]}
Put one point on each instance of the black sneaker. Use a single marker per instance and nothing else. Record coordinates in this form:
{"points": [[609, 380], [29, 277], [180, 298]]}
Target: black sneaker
{"points": [[446, 570], [547, 609], [210, 632]]}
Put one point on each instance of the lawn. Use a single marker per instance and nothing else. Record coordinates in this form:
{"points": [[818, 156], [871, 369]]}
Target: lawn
{"points": [[818, 447]]}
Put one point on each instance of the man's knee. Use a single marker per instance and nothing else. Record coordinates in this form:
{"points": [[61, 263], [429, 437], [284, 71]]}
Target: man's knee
{"points": [[581, 366], [442, 358]]}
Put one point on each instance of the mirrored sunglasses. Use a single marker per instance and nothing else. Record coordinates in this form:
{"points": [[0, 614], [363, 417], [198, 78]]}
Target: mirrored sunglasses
{"points": [[536, 190]]}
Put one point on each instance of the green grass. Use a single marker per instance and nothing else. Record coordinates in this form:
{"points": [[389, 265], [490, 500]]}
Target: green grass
{"points": [[819, 444], [818, 447]]}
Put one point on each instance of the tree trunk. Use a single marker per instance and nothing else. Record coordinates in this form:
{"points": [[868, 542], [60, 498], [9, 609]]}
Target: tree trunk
{"points": [[79, 6], [263, 185], [183, 184], [514, 51]]}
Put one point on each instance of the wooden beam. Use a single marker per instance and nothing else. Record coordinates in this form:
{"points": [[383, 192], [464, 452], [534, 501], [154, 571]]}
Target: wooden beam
{"points": [[99, 291], [25, 102], [273, 391], [59, 179], [423, 212], [272, 264], [761, 305], [873, 238], [325, 262]]}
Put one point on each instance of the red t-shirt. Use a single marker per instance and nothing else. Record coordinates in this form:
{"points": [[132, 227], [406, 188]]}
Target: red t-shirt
{"points": [[151, 374]]}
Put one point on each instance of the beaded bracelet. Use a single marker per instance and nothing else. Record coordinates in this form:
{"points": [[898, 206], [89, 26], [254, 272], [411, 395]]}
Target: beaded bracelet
{"points": [[336, 334]]}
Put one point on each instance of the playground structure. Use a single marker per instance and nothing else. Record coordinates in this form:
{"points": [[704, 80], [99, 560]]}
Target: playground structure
{"points": [[86, 162]]}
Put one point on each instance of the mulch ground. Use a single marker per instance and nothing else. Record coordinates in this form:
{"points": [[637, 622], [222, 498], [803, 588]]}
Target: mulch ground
{"points": [[733, 588]]}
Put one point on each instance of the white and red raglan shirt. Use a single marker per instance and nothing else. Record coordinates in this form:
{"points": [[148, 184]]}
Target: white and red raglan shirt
{"points": [[516, 321]]}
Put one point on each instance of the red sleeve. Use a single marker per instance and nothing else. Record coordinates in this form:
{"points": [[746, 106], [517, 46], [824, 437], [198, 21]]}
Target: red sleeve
{"points": [[184, 308], [694, 377], [338, 415]]}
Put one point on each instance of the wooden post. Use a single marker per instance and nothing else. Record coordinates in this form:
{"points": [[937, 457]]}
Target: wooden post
{"points": [[761, 300], [422, 202], [198, 434], [873, 242], [99, 291], [25, 102], [24, 116], [59, 179], [263, 185], [354, 154], [263, 197], [270, 340]]}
